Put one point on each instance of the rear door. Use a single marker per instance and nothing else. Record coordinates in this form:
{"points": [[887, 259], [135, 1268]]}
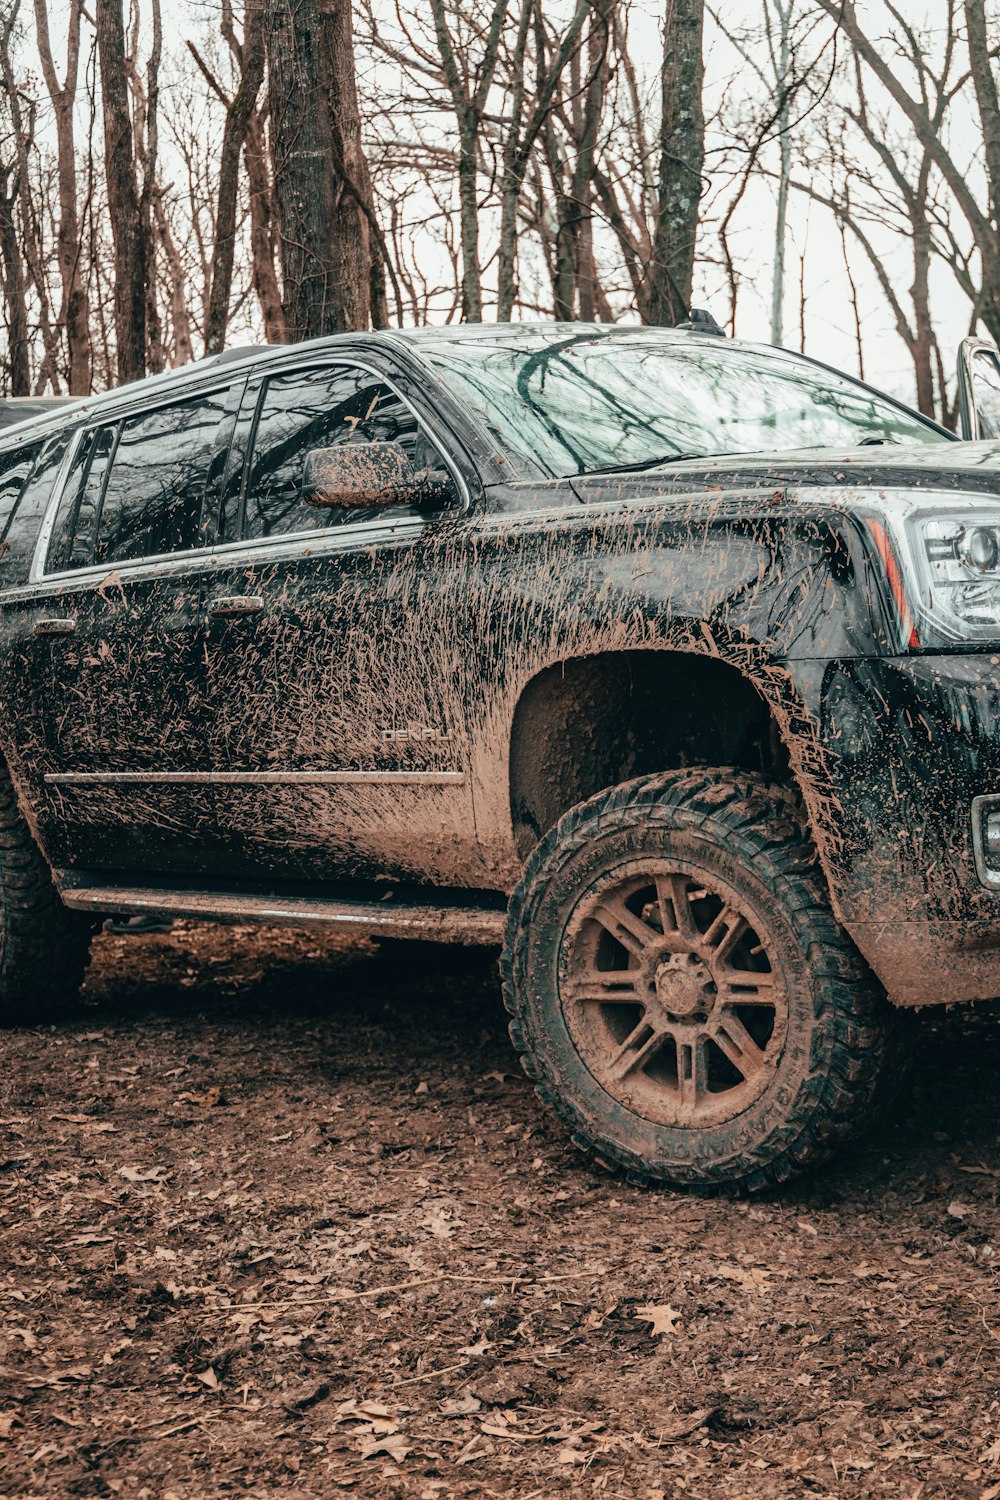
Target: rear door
{"points": [[335, 727], [105, 669]]}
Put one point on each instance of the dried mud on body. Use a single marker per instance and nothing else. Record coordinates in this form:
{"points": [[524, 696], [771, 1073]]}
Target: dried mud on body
{"points": [[280, 1218]]}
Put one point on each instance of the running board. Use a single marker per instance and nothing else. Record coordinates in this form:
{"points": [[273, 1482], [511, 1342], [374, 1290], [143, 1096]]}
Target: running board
{"points": [[439, 924]]}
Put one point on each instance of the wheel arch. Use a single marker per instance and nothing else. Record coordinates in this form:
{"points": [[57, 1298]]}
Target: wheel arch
{"points": [[591, 721]]}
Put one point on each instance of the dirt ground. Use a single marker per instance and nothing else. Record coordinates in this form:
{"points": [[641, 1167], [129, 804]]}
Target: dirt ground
{"points": [[281, 1216]]}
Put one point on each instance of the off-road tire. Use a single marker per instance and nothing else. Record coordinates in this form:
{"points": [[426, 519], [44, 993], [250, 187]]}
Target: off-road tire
{"points": [[44, 947], [838, 1033]]}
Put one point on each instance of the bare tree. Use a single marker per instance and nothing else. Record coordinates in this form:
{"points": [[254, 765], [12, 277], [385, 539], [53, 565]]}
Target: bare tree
{"points": [[469, 85], [682, 155], [571, 138], [320, 176], [74, 313], [130, 247], [239, 111], [519, 135], [925, 122], [11, 183]]}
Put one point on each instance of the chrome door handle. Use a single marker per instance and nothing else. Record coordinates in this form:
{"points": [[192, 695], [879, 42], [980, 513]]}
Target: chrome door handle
{"points": [[228, 605], [55, 627]]}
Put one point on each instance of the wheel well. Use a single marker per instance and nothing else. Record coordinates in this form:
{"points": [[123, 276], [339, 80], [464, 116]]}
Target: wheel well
{"points": [[592, 722]]}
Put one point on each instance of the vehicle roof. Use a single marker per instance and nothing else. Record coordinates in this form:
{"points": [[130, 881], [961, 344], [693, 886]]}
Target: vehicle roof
{"points": [[530, 335]]}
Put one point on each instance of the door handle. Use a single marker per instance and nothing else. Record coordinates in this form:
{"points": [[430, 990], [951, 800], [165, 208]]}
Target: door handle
{"points": [[226, 606], [54, 627]]}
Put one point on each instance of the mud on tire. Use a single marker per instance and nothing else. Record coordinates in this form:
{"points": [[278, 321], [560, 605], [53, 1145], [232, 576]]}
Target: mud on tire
{"points": [[44, 948], [680, 991]]}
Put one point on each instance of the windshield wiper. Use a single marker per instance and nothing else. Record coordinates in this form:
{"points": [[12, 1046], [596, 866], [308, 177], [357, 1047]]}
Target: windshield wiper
{"points": [[648, 463]]}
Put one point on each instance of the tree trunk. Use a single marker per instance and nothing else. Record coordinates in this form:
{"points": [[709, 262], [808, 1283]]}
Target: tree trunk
{"points": [[922, 347], [123, 194], [357, 259], [146, 147], [315, 139], [581, 189], [512, 180], [784, 174], [18, 367], [262, 237], [75, 311], [237, 119], [682, 152]]}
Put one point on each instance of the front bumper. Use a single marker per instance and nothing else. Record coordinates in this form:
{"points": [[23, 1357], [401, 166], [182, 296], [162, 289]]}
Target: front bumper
{"points": [[911, 744]]}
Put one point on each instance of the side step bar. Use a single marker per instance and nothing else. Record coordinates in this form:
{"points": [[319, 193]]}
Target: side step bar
{"points": [[440, 924]]}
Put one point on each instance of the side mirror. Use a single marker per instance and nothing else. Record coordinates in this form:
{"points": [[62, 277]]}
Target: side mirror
{"points": [[371, 475], [979, 388]]}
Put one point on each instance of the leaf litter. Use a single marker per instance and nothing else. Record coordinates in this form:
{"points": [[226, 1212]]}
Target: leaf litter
{"points": [[254, 1253]]}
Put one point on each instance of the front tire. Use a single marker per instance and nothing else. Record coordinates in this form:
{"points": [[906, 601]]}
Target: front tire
{"points": [[680, 991], [44, 947]]}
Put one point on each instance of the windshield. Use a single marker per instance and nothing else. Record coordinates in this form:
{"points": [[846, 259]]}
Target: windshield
{"points": [[578, 403]]}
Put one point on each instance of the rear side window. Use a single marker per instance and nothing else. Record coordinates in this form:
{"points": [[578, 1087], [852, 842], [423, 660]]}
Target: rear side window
{"points": [[136, 487], [73, 538], [15, 466], [307, 409]]}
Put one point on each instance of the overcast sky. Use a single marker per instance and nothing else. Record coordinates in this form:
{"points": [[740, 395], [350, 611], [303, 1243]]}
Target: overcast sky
{"points": [[829, 318]]}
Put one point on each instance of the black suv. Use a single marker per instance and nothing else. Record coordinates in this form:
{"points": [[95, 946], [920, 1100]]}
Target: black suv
{"points": [[670, 661]]}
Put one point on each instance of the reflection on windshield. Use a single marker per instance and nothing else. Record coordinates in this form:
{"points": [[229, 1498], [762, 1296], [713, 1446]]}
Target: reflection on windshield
{"points": [[576, 403]]}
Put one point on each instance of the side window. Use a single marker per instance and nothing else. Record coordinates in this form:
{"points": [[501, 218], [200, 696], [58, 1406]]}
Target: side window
{"points": [[26, 519], [15, 466], [136, 486], [157, 478], [307, 409], [72, 544]]}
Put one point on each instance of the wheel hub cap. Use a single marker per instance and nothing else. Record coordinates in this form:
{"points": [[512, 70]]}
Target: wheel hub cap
{"points": [[672, 993]]}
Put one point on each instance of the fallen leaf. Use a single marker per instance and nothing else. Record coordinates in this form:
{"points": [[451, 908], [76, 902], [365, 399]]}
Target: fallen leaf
{"points": [[8, 1421], [660, 1315], [959, 1210], [395, 1446], [208, 1100], [461, 1406], [752, 1278], [570, 1455], [208, 1377], [683, 1424], [992, 1454]]}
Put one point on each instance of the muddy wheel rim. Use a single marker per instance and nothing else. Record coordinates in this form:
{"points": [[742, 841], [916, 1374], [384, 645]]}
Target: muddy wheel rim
{"points": [[673, 994]]}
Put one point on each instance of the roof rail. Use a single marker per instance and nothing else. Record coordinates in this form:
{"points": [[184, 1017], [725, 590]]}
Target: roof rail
{"points": [[700, 321], [238, 351]]}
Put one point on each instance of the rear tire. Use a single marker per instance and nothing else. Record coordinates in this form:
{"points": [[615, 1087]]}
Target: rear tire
{"points": [[44, 948], [679, 989]]}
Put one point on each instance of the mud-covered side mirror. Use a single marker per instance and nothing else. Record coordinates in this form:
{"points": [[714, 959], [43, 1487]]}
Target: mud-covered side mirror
{"points": [[371, 475], [979, 388]]}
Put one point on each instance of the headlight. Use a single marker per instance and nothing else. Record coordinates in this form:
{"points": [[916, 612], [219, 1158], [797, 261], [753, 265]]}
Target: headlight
{"points": [[950, 563]]}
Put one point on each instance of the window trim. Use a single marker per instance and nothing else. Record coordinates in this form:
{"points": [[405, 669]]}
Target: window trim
{"points": [[166, 563], [335, 362], [116, 421]]}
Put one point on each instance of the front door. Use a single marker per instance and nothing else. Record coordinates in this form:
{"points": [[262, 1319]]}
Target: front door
{"points": [[104, 665], [334, 727]]}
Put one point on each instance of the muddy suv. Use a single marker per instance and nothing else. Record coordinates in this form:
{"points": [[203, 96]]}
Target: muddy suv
{"points": [[670, 662]]}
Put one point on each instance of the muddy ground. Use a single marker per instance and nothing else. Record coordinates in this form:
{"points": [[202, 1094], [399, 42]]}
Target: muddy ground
{"points": [[280, 1216]]}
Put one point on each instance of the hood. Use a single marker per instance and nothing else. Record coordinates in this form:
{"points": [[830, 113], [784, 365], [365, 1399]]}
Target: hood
{"points": [[961, 466]]}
